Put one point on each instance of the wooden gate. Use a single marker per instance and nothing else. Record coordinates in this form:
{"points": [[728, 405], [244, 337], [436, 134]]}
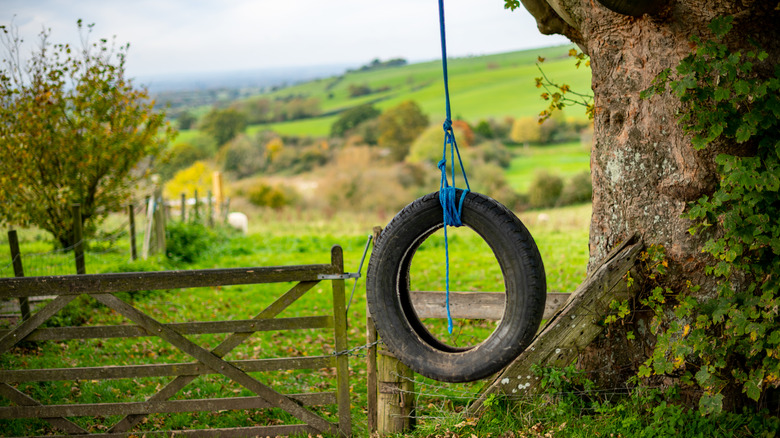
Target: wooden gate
{"points": [[103, 287]]}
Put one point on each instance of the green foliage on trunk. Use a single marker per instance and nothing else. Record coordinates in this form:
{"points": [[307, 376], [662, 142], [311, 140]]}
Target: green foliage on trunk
{"points": [[733, 336]]}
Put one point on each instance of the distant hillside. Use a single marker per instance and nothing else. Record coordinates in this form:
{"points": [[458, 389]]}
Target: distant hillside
{"points": [[490, 86]]}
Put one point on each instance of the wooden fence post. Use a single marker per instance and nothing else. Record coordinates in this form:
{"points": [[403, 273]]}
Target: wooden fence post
{"points": [[342, 360], [210, 211], [183, 215], [371, 338], [392, 388], [78, 249], [16, 257], [148, 228], [226, 210], [133, 250], [395, 402], [196, 207], [219, 198], [159, 221]]}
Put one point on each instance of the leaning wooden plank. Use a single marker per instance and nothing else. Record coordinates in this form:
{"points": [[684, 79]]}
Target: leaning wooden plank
{"points": [[572, 329], [474, 305], [162, 370], [134, 281], [185, 328]]}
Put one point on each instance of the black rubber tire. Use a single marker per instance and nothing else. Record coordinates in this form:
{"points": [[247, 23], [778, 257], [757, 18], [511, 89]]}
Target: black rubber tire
{"points": [[388, 283], [634, 8]]}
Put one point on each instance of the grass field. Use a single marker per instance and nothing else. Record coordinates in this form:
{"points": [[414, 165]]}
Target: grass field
{"points": [[482, 87], [276, 238], [564, 160]]}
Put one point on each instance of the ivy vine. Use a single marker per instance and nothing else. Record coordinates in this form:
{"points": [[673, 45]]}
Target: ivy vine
{"points": [[728, 97]]}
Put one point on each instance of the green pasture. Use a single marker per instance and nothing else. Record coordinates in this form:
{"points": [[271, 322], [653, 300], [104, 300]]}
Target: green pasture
{"points": [[314, 127], [481, 87], [564, 160]]}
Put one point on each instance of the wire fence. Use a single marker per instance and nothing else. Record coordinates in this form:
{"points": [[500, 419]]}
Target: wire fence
{"points": [[42, 257], [110, 247]]}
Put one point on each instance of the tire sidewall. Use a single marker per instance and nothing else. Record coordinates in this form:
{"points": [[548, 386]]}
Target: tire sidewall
{"points": [[388, 289]]}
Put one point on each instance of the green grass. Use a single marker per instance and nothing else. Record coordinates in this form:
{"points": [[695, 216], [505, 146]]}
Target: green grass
{"points": [[315, 127], [482, 87], [301, 237], [565, 160], [276, 238]]}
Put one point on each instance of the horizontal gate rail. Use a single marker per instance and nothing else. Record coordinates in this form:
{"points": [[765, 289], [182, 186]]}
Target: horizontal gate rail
{"points": [[186, 328], [134, 281], [101, 287], [166, 407], [162, 370], [255, 431]]}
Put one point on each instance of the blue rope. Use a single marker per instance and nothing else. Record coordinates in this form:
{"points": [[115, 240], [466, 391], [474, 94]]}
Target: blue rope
{"points": [[451, 206]]}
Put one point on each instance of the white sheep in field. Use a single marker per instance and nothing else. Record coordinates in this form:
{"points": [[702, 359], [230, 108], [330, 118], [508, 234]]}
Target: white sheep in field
{"points": [[238, 221]]}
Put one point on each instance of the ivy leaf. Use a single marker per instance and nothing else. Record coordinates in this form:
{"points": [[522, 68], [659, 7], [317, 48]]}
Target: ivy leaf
{"points": [[753, 386], [711, 403], [722, 93]]}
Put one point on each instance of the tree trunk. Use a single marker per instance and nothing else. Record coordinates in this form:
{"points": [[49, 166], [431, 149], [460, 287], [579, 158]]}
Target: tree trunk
{"points": [[645, 171]]}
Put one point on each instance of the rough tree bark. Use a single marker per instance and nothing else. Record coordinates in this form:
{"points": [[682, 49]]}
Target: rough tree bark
{"points": [[645, 172]]}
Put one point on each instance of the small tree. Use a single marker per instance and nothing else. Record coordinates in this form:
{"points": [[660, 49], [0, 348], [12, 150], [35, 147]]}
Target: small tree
{"points": [[73, 129], [351, 118], [526, 130], [223, 125], [399, 126], [186, 120]]}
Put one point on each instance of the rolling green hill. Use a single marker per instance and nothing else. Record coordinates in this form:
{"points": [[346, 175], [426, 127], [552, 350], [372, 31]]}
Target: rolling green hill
{"points": [[491, 86]]}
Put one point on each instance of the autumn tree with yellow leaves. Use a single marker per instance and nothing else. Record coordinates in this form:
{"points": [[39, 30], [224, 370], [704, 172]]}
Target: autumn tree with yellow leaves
{"points": [[73, 129]]}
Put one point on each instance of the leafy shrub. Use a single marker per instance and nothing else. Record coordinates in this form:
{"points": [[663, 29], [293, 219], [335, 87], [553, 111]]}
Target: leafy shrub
{"points": [[353, 117], [399, 126], [196, 177], [265, 195], [428, 146], [577, 190], [359, 180], [242, 157], [526, 130], [484, 129], [76, 313], [356, 90], [295, 160], [178, 157], [493, 152], [545, 190], [186, 242]]}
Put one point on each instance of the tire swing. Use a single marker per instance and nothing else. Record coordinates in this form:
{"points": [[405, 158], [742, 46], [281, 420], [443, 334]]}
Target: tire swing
{"points": [[388, 276]]}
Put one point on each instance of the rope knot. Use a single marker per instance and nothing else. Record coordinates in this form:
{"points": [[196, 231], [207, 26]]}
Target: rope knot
{"points": [[442, 165], [448, 125], [452, 208]]}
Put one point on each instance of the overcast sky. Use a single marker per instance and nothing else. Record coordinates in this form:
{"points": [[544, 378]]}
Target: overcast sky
{"points": [[193, 36]]}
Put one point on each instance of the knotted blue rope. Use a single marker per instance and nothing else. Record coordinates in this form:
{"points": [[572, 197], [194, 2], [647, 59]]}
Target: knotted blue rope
{"points": [[451, 206]]}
